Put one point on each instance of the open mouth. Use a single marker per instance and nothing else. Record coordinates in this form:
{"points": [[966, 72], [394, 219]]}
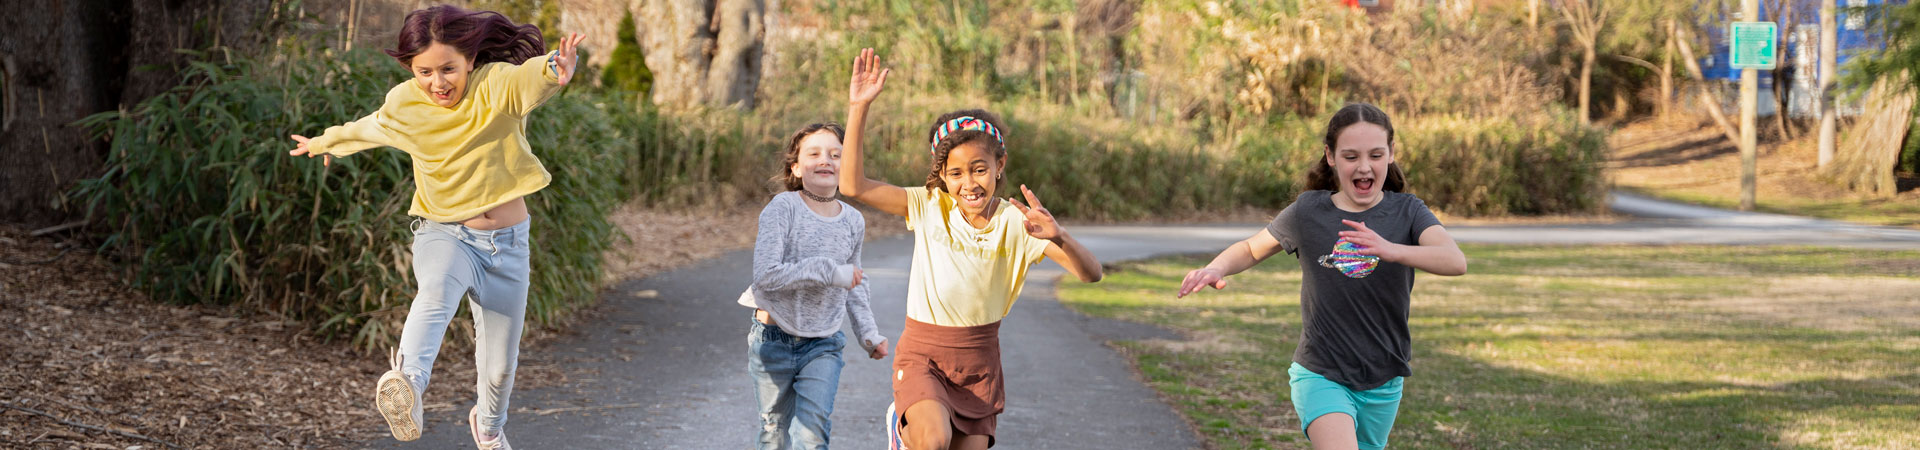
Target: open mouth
{"points": [[1363, 184], [443, 94], [825, 171]]}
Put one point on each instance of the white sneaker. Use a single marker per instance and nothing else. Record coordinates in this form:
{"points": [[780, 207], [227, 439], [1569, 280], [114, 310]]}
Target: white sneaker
{"points": [[397, 401], [499, 441], [894, 442]]}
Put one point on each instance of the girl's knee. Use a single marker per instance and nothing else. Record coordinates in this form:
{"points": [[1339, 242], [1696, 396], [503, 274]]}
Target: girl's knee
{"points": [[439, 290], [928, 426]]}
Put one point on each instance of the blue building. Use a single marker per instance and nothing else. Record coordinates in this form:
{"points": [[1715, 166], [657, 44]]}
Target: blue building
{"points": [[1853, 36]]}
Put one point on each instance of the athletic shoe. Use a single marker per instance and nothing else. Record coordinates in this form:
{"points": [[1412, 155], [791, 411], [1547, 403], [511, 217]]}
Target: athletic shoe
{"points": [[499, 441], [397, 401], [894, 442]]}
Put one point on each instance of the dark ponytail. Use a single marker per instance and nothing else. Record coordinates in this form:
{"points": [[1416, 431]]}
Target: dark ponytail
{"points": [[1322, 178]]}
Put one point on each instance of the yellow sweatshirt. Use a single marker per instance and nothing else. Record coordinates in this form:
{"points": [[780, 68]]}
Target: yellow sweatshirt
{"points": [[467, 159]]}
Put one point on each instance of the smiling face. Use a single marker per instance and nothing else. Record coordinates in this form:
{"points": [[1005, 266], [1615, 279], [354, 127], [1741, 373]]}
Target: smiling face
{"points": [[441, 72], [971, 174], [1359, 158], [818, 163]]}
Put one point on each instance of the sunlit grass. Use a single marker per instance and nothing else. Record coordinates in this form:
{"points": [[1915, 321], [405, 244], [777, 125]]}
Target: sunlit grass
{"points": [[1570, 347]]}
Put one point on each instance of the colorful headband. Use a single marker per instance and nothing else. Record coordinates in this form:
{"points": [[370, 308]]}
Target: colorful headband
{"points": [[963, 123]]}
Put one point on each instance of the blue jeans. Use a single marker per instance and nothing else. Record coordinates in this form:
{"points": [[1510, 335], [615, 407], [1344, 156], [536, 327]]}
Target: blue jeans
{"points": [[490, 269], [796, 379]]}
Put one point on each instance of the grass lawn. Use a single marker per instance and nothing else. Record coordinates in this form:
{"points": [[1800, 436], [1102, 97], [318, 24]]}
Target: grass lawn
{"points": [[1569, 347]]}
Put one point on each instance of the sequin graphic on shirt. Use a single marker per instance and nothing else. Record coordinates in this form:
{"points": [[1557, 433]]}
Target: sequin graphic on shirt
{"points": [[1347, 258]]}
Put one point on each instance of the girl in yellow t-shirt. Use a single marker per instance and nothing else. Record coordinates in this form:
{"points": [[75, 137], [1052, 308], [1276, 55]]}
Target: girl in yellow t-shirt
{"points": [[476, 76], [970, 258]]}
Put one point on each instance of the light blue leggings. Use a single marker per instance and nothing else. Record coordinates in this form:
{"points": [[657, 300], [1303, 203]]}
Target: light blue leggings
{"points": [[489, 267]]}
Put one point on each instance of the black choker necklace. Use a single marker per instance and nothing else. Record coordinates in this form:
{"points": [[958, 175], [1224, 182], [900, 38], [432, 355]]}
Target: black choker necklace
{"points": [[810, 196]]}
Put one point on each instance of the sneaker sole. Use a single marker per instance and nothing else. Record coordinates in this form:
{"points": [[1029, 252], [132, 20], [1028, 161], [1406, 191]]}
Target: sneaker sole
{"points": [[394, 398]]}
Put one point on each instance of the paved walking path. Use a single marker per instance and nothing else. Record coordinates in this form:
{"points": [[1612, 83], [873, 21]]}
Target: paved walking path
{"points": [[667, 369]]}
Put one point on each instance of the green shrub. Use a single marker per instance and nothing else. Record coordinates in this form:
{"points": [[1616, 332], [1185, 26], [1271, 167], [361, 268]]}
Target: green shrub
{"points": [[1499, 167], [204, 205], [626, 68]]}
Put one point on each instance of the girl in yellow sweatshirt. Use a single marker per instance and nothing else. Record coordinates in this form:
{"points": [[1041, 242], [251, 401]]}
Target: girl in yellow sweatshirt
{"points": [[476, 76]]}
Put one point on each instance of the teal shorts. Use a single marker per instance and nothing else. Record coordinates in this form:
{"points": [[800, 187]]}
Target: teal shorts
{"points": [[1372, 410]]}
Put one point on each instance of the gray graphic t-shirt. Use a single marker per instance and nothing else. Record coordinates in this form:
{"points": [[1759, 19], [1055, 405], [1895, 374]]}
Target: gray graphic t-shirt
{"points": [[1355, 328]]}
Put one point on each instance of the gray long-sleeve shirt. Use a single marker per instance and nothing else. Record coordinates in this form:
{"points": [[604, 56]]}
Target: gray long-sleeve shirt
{"points": [[802, 264]]}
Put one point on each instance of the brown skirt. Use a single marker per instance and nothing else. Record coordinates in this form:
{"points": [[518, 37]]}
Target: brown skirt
{"points": [[956, 366]]}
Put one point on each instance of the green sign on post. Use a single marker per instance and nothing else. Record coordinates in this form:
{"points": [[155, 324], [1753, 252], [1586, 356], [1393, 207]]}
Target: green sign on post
{"points": [[1753, 45]]}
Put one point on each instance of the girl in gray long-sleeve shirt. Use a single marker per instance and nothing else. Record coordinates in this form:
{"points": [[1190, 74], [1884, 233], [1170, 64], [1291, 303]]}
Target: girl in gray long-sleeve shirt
{"points": [[806, 282]]}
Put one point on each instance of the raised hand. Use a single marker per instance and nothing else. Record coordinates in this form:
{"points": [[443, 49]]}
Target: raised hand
{"points": [[1040, 223], [1199, 278], [868, 78], [568, 59], [1375, 245], [301, 149]]}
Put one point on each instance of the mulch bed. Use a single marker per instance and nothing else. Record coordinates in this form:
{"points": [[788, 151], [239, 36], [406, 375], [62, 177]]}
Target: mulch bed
{"points": [[87, 362]]}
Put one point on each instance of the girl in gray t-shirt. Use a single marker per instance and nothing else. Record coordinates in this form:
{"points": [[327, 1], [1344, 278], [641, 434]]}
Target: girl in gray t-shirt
{"points": [[1357, 238], [807, 283]]}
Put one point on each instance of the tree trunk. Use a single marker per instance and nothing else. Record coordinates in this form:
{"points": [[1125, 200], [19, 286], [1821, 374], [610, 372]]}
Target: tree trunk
{"points": [[741, 36], [61, 61], [1865, 160], [1533, 14], [1823, 98], [1666, 75], [1783, 73], [1706, 97], [703, 52], [1586, 83]]}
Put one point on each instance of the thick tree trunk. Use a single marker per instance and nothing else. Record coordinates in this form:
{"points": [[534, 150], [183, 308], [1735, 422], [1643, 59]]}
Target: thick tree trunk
{"points": [[60, 63], [65, 60], [703, 52], [1866, 158], [740, 40]]}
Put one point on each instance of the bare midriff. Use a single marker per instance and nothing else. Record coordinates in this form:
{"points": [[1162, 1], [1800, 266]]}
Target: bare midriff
{"points": [[506, 215]]}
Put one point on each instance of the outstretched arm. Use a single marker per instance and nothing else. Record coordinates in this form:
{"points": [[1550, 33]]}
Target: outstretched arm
{"points": [[371, 131], [1061, 247], [868, 79], [1235, 259]]}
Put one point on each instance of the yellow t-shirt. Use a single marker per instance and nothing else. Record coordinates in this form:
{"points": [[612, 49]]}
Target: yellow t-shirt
{"points": [[964, 276], [467, 159]]}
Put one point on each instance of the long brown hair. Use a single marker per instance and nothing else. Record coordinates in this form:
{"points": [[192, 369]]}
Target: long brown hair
{"points": [[485, 36], [1322, 178], [786, 179], [953, 140]]}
